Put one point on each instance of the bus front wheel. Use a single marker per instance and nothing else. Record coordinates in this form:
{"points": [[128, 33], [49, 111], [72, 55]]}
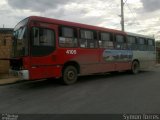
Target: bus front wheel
{"points": [[135, 67], [69, 75]]}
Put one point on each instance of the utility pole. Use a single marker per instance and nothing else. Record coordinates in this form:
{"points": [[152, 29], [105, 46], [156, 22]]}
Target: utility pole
{"points": [[122, 15]]}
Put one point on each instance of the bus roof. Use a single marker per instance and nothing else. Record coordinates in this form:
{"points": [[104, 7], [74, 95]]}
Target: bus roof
{"points": [[139, 35], [85, 26], [74, 24]]}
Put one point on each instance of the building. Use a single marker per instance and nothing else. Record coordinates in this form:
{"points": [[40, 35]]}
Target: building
{"points": [[158, 51], [5, 48], [158, 54]]}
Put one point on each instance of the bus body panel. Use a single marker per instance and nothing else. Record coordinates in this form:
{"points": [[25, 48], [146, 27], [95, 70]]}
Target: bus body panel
{"points": [[146, 58], [90, 60]]}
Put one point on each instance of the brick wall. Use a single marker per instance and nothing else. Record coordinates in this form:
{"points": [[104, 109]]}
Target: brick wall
{"points": [[5, 50]]}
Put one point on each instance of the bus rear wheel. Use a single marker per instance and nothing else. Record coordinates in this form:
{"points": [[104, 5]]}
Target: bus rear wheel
{"points": [[135, 67], [69, 75]]}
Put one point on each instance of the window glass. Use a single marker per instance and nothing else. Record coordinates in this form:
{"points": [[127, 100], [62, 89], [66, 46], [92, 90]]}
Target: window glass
{"points": [[151, 46], [142, 44], [119, 38], [43, 37], [86, 34], [20, 42], [120, 42], [105, 36], [150, 42], [88, 39], [68, 42], [43, 41], [67, 32], [67, 38], [141, 41], [105, 40], [105, 44], [131, 40]]}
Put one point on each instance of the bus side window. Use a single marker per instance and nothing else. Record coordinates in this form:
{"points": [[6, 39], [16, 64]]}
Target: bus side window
{"points": [[151, 45], [141, 44], [43, 37], [43, 41], [105, 40], [145, 46], [131, 43], [120, 42], [88, 39], [68, 37]]}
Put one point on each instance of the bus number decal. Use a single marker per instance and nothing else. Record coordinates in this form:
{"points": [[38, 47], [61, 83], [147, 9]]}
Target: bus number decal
{"points": [[71, 52]]}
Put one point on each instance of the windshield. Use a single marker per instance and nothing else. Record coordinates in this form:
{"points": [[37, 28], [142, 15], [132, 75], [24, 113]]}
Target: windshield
{"points": [[20, 41]]}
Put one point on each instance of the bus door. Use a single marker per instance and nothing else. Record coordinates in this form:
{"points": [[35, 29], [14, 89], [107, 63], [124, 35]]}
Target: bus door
{"points": [[43, 45]]}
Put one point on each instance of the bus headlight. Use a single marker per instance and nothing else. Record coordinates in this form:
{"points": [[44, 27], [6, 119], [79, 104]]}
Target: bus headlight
{"points": [[24, 74]]}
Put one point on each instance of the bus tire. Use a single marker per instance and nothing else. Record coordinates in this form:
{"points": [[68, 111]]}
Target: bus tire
{"points": [[69, 75], [135, 67]]}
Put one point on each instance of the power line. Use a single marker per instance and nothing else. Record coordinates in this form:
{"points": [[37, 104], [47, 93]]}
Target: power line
{"points": [[125, 2], [122, 11], [110, 3], [133, 13]]}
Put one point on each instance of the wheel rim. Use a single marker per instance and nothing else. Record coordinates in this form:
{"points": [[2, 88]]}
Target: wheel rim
{"points": [[71, 75], [135, 67]]}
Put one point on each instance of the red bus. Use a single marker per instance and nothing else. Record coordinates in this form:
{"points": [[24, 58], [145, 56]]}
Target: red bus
{"points": [[49, 48]]}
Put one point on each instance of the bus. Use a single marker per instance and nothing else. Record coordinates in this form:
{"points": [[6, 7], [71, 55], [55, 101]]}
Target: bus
{"points": [[49, 48]]}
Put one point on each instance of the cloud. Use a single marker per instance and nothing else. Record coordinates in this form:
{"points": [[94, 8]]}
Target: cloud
{"points": [[37, 5], [151, 5], [103, 13]]}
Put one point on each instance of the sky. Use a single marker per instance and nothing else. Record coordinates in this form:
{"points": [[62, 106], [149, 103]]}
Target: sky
{"points": [[141, 16]]}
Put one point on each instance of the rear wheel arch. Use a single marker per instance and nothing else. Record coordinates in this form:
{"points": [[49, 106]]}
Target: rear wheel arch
{"points": [[136, 61], [72, 63]]}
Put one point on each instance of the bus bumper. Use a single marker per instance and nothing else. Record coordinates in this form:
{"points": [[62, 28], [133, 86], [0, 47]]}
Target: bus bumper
{"points": [[22, 74]]}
